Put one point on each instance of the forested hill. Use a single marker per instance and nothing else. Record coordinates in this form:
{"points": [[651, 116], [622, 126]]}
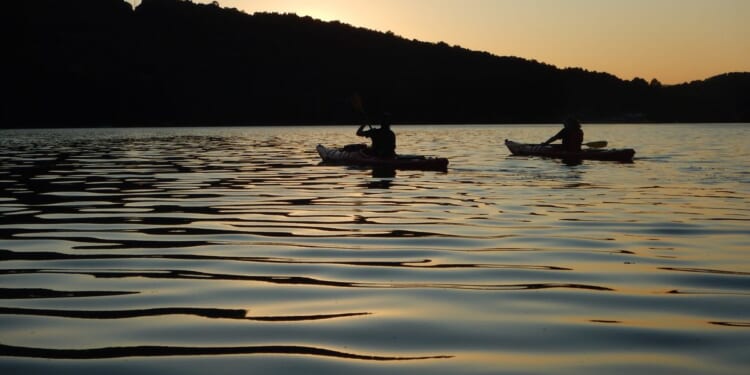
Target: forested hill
{"points": [[99, 62]]}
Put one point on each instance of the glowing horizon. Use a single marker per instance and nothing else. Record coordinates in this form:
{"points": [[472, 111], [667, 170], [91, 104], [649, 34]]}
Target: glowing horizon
{"points": [[674, 41]]}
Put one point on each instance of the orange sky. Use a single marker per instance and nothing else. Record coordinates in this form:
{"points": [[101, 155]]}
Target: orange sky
{"points": [[673, 41]]}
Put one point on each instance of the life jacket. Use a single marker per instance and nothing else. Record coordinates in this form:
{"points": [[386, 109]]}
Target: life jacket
{"points": [[383, 143], [572, 139]]}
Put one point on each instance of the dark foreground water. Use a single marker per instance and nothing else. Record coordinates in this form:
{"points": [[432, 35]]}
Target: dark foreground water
{"points": [[231, 251]]}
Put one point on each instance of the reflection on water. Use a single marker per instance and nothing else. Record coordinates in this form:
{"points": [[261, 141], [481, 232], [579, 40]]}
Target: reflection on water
{"points": [[234, 247]]}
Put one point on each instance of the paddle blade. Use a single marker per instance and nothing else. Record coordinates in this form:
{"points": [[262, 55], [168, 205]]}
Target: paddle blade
{"points": [[596, 144]]}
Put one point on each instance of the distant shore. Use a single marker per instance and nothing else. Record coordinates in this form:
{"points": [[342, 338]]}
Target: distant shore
{"points": [[168, 62]]}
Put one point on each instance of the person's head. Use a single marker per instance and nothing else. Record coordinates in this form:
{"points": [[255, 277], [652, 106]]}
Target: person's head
{"points": [[571, 122]]}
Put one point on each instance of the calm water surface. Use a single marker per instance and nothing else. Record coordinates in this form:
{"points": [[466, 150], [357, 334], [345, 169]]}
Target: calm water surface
{"points": [[231, 250]]}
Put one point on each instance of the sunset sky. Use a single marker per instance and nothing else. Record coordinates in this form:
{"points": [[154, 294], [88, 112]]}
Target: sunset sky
{"points": [[673, 41]]}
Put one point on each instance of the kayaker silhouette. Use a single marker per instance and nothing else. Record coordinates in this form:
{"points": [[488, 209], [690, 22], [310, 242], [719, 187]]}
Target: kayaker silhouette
{"points": [[383, 139], [571, 135]]}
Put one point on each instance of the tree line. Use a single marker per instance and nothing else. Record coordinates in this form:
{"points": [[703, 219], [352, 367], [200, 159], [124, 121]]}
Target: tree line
{"points": [[173, 62]]}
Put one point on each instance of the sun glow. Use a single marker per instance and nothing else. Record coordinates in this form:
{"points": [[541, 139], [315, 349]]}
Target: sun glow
{"points": [[323, 13]]}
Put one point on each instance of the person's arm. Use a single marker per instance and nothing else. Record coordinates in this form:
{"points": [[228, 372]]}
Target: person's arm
{"points": [[362, 132], [555, 137]]}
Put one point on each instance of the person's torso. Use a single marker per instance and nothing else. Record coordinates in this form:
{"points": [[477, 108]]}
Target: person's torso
{"points": [[572, 139], [384, 142]]}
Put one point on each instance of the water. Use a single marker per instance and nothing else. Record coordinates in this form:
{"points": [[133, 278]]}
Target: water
{"points": [[231, 250]]}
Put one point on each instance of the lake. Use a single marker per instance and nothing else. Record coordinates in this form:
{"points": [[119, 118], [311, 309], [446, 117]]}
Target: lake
{"points": [[232, 251]]}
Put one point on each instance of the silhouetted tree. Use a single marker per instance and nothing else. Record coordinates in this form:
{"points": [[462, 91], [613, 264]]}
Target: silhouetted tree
{"points": [[101, 62]]}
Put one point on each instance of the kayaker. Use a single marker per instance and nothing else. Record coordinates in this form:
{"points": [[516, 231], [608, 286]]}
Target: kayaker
{"points": [[383, 139], [571, 135]]}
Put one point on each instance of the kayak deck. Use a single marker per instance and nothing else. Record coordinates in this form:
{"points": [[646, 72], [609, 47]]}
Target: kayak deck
{"points": [[610, 154], [342, 156]]}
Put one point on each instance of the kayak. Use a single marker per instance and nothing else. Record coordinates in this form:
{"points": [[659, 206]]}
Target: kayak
{"points": [[530, 149], [355, 155]]}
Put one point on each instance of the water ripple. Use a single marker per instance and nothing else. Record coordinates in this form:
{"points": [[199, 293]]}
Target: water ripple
{"points": [[166, 351], [239, 245]]}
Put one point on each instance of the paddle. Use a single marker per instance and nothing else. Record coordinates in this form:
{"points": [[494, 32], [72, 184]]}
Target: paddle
{"points": [[596, 144], [357, 104]]}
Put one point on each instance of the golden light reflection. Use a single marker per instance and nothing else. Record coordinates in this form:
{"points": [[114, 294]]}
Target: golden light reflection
{"points": [[563, 363]]}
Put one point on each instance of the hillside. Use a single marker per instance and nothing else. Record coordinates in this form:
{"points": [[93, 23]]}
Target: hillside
{"points": [[99, 62]]}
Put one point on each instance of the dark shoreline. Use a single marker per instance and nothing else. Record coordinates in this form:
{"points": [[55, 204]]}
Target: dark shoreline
{"points": [[169, 62], [593, 123]]}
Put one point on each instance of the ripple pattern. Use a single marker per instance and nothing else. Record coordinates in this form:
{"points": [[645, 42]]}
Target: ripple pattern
{"points": [[127, 247]]}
